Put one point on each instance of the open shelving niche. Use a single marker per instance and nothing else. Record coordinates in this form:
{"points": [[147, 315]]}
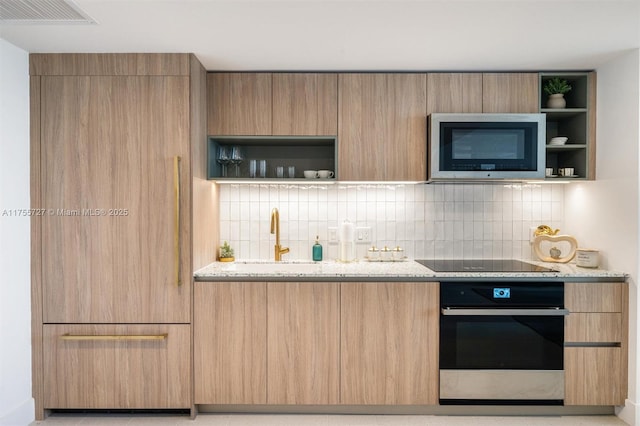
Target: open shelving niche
{"points": [[302, 152], [572, 122]]}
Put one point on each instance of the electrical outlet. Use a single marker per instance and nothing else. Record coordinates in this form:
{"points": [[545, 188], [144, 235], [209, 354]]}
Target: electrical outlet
{"points": [[363, 234], [333, 235], [532, 233]]}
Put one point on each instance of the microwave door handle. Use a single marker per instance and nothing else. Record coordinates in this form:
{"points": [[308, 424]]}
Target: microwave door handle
{"points": [[552, 312]]}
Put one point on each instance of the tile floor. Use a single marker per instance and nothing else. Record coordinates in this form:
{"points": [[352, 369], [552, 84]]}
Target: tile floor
{"points": [[327, 420]]}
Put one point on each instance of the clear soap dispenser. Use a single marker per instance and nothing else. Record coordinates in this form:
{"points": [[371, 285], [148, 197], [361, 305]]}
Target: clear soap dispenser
{"points": [[317, 250]]}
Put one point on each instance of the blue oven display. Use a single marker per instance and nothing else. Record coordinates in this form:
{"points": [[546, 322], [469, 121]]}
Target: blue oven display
{"points": [[501, 293]]}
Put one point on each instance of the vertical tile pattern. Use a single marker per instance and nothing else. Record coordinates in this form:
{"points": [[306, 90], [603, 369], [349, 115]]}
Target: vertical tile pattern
{"points": [[428, 221]]}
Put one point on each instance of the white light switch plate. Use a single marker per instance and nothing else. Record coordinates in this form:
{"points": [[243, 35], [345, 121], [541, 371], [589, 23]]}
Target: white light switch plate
{"points": [[363, 234]]}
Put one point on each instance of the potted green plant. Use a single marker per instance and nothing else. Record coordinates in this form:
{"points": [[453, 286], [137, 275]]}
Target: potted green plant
{"points": [[226, 253], [556, 87]]}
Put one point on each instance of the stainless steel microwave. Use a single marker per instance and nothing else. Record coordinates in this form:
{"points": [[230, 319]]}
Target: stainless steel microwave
{"points": [[487, 146]]}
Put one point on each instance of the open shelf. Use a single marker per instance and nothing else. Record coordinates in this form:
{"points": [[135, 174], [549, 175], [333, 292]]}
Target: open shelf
{"points": [[572, 122], [301, 152]]}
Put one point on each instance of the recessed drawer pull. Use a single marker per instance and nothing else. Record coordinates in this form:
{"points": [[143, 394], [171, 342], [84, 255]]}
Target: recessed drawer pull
{"points": [[592, 344], [505, 312], [68, 336]]}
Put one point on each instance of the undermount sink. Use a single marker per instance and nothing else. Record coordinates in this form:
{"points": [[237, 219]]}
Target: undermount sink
{"points": [[274, 267]]}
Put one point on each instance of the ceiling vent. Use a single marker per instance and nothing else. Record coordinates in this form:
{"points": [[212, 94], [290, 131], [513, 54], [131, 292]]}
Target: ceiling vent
{"points": [[42, 12]]}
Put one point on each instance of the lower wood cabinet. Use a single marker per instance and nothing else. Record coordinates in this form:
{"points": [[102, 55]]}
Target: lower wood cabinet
{"points": [[389, 343], [316, 343], [303, 343], [594, 376], [266, 343], [93, 366], [595, 353], [230, 343]]}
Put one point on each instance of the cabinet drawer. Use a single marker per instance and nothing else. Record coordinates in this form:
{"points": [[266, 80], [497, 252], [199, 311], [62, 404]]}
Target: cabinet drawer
{"points": [[593, 327], [116, 366], [593, 297]]}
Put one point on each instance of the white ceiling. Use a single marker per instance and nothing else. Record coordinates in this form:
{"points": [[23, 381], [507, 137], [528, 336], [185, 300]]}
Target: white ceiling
{"points": [[352, 34]]}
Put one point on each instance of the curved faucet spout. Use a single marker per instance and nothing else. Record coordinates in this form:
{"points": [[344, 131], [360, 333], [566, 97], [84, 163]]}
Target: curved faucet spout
{"points": [[275, 229]]}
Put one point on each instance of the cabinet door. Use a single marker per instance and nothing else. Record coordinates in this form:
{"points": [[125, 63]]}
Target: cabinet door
{"points": [[305, 104], [510, 92], [303, 341], [454, 92], [239, 103], [382, 127], [107, 176], [593, 376], [389, 343], [117, 366], [230, 337]]}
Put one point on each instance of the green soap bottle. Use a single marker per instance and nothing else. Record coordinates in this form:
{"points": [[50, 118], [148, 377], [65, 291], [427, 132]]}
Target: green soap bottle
{"points": [[317, 251]]}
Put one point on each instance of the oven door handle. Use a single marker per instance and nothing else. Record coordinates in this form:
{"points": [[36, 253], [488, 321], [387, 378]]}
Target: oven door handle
{"points": [[551, 312]]}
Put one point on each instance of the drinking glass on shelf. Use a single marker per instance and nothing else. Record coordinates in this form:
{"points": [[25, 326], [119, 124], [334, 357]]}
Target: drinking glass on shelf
{"points": [[236, 158], [253, 168], [223, 158]]}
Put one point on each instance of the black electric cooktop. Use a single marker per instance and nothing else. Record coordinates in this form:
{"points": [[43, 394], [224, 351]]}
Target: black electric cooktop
{"points": [[481, 265]]}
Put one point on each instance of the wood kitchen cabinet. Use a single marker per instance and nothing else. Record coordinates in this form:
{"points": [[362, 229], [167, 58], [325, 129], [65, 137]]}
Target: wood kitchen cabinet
{"points": [[101, 366], [107, 161], [510, 92], [595, 354], [265, 104], [305, 104], [303, 343], [230, 343], [267, 343], [389, 343], [117, 148], [454, 92], [482, 92], [239, 103], [382, 126]]}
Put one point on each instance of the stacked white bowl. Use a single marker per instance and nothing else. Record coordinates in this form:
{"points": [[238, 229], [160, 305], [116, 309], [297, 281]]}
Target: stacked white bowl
{"points": [[558, 140]]}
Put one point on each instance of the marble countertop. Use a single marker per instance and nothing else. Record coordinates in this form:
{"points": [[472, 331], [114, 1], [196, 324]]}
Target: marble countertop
{"points": [[408, 270]]}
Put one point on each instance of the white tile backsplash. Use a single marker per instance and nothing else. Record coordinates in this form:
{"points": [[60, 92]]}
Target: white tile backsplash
{"points": [[437, 220]]}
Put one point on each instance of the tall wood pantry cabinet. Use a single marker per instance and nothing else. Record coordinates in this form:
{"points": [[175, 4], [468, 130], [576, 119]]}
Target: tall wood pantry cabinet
{"points": [[118, 169]]}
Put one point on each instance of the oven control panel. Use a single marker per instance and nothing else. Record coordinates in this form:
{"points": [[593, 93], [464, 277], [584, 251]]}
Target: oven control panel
{"points": [[502, 293]]}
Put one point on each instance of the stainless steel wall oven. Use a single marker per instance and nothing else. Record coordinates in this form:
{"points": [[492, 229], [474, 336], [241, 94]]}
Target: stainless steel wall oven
{"points": [[502, 343]]}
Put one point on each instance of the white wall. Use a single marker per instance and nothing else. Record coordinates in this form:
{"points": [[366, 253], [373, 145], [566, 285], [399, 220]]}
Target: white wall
{"points": [[603, 214], [16, 403]]}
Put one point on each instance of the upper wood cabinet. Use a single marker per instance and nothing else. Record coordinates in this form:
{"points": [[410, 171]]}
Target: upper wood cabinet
{"points": [[389, 343], [107, 152], [510, 92], [305, 104], [382, 127], [265, 104], [454, 92], [239, 103], [482, 92]]}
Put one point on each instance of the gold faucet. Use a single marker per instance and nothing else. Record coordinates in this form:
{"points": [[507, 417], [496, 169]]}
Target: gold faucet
{"points": [[275, 228]]}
